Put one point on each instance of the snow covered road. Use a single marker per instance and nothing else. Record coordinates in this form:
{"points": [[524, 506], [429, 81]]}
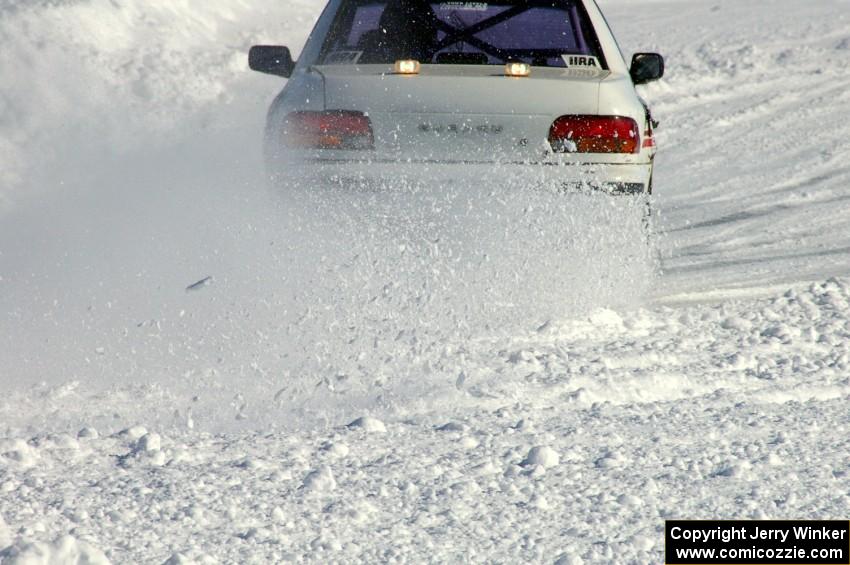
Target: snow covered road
{"points": [[753, 180], [370, 418]]}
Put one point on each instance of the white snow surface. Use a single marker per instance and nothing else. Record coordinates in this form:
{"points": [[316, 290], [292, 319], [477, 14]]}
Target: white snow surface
{"points": [[469, 372]]}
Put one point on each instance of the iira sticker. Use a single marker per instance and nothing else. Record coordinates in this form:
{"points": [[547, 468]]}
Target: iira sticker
{"points": [[466, 6], [583, 61]]}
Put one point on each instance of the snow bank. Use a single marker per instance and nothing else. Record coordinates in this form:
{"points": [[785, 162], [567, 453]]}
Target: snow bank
{"points": [[587, 483]]}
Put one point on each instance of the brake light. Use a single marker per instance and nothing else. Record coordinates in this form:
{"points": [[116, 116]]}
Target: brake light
{"points": [[407, 67], [331, 129], [514, 69], [594, 134]]}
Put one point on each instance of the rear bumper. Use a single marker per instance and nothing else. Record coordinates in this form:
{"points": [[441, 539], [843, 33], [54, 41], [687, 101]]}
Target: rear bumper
{"points": [[614, 178]]}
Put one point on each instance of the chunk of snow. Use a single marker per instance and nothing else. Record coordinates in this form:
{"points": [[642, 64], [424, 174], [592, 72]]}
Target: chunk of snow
{"points": [[146, 450], [611, 460], [149, 442], [643, 543], [278, 515], [741, 469], [629, 500], [133, 433], [368, 424], [524, 425], [539, 502], [736, 323], [606, 318], [320, 480], [468, 442], [335, 449], [543, 456], [88, 433]]}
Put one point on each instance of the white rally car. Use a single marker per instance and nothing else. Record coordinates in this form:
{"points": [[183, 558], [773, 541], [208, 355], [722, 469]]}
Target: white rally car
{"points": [[385, 85]]}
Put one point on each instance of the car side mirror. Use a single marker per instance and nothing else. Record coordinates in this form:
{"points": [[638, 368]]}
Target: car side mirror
{"points": [[646, 67], [271, 59]]}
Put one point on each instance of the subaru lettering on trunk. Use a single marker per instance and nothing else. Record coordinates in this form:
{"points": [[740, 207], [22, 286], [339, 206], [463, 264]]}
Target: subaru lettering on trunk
{"points": [[461, 128]]}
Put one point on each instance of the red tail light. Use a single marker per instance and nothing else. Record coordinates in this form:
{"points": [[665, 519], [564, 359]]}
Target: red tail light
{"points": [[594, 134], [331, 129]]}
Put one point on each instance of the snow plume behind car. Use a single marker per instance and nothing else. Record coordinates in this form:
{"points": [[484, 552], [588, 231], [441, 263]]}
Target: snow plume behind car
{"points": [[390, 286], [83, 83], [137, 174]]}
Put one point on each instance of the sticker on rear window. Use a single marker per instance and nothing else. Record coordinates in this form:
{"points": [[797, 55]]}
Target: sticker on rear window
{"points": [[468, 6], [583, 61], [342, 57]]}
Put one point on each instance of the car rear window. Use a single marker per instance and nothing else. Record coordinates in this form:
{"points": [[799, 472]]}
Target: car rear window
{"points": [[541, 33]]}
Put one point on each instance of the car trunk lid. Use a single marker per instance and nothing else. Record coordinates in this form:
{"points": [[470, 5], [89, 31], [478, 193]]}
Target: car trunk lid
{"points": [[461, 112]]}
